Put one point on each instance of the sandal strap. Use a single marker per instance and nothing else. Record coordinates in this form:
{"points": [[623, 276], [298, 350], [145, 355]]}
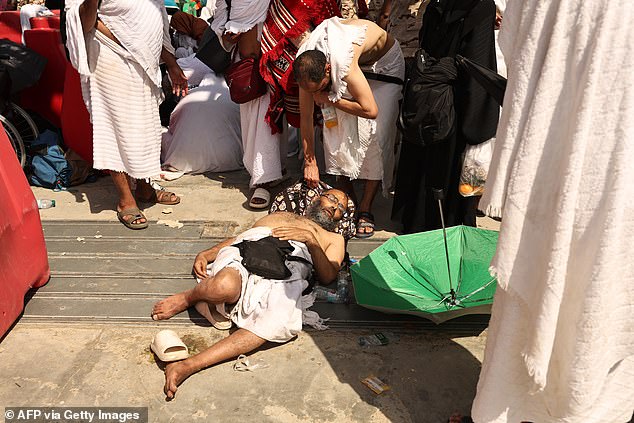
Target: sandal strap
{"points": [[132, 211], [162, 193]]}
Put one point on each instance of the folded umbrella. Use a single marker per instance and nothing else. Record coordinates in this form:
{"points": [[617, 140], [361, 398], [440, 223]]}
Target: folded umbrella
{"points": [[491, 81]]}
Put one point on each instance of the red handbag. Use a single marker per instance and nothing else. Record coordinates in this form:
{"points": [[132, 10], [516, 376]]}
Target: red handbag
{"points": [[244, 80]]}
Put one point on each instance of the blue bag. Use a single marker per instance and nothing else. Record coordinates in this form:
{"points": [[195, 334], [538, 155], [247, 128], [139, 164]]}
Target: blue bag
{"points": [[49, 167]]}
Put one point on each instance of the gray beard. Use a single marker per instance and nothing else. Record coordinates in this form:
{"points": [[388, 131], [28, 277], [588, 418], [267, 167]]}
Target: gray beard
{"points": [[320, 217]]}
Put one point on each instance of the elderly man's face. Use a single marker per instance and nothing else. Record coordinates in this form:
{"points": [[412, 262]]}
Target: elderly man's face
{"points": [[328, 209]]}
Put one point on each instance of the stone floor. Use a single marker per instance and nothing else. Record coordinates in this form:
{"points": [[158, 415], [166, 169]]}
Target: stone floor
{"points": [[84, 337]]}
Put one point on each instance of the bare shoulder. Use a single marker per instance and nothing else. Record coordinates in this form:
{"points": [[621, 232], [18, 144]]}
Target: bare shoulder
{"points": [[334, 239]]}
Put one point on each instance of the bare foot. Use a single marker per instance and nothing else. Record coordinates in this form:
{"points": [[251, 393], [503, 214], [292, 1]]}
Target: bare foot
{"points": [[175, 374], [170, 306]]}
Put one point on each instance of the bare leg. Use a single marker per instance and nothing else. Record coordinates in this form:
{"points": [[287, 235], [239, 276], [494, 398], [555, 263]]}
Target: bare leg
{"points": [[145, 192], [369, 192], [239, 342], [126, 199], [225, 287]]}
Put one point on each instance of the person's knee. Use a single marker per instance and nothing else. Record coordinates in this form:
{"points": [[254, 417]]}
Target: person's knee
{"points": [[227, 284]]}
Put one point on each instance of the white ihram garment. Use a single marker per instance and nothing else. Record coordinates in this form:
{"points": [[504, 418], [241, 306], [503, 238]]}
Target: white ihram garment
{"points": [[204, 130], [561, 339], [272, 309], [356, 147], [121, 83]]}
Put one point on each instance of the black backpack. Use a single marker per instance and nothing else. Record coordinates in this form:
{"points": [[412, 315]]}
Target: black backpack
{"points": [[427, 113]]}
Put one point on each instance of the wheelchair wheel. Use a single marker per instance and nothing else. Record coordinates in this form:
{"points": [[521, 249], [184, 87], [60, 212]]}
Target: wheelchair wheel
{"points": [[15, 139], [24, 124]]}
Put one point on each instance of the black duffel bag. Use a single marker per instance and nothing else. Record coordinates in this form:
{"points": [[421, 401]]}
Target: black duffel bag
{"points": [[427, 114]]}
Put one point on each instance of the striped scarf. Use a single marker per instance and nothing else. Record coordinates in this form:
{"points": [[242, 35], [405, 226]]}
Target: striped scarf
{"points": [[287, 19]]}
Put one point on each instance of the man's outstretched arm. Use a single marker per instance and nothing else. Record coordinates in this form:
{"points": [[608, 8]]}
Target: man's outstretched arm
{"points": [[326, 263], [306, 109], [88, 14], [207, 256]]}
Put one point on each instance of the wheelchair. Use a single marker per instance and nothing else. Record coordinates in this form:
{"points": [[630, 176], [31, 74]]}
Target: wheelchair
{"points": [[20, 128]]}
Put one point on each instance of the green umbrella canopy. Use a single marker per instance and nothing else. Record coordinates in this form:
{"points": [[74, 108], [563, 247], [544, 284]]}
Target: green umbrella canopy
{"points": [[408, 274]]}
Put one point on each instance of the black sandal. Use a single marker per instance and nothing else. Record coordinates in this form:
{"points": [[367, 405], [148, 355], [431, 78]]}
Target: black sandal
{"points": [[367, 223]]}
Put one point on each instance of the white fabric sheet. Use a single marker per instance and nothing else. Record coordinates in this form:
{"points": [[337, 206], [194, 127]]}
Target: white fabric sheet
{"points": [[561, 337], [204, 131], [141, 26], [123, 105], [380, 134], [121, 83], [262, 149], [244, 15]]}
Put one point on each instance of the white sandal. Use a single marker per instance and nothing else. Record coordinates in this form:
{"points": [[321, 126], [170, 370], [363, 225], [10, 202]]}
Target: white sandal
{"points": [[218, 321], [168, 346], [260, 194]]}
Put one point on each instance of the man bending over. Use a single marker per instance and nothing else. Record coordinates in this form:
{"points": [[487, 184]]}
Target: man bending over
{"points": [[354, 69], [263, 309]]}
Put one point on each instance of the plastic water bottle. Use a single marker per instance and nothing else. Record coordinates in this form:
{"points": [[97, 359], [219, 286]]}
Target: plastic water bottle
{"points": [[338, 295], [343, 285], [330, 116], [45, 204], [326, 294]]}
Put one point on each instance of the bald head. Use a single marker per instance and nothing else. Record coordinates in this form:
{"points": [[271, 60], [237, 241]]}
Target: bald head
{"points": [[310, 66]]}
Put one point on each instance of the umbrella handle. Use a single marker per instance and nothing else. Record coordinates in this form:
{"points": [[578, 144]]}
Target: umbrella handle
{"points": [[439, 195]]}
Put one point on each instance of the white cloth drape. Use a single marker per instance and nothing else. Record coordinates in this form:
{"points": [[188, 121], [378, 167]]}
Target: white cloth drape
{"points": [[123, 105], [121, 82], [271, 309], [561, 337], [243, 15], [204, 130], [141, 26], [262, 149]]}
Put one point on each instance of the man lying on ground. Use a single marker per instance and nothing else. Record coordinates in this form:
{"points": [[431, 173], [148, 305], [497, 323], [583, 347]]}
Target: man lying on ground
{"points": [[263, 309]]}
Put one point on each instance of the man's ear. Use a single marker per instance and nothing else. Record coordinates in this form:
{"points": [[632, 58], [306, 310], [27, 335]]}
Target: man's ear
{"points": [[327, 68]]}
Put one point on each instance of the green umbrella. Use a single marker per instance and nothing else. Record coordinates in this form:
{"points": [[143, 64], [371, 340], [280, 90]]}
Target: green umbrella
{"points": [[409, 274]]}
